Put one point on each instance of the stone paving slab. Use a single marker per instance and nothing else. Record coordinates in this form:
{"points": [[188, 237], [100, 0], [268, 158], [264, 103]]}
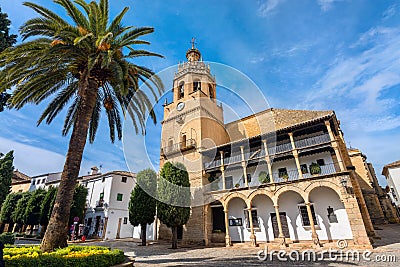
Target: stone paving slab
{"points": [[160, 254]]}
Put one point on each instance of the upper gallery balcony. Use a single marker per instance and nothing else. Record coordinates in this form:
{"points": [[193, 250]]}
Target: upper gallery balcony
{"points": [[253, 181], [179, 147], [279, 150]]}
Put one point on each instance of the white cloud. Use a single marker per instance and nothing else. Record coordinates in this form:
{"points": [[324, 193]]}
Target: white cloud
{"points": [[267, 7], [326, 4], [390, 11], [360, 85], [32, 160]]}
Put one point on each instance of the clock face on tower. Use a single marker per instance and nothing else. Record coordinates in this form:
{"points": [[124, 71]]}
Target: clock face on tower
{"points": [[180, 106]]}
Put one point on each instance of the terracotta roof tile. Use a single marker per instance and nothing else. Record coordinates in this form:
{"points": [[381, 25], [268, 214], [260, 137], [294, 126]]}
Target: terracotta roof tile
{"points": [[19, 177], [390, 165]]}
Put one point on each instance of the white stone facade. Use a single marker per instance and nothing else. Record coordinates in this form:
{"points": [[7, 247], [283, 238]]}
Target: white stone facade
{"points": [[392, 174], [107, 214]]}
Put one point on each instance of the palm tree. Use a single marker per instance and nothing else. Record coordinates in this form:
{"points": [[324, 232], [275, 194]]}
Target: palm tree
{"points": [[84, 64]]}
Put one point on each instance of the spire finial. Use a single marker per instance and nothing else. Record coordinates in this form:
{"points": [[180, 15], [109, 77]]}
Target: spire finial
{"points": [[193, 54], [193, 42]]}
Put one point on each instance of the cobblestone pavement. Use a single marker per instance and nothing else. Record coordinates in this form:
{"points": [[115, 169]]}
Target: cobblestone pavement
{"points": [[159, 254]]}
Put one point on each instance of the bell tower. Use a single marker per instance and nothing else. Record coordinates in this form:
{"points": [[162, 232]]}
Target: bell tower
{"points": [[193, 120]]}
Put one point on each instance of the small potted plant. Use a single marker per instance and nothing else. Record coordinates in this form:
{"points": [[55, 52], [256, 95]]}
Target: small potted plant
{"points": [[236, 185], [315, 169], [263, 177], [285, 176]]}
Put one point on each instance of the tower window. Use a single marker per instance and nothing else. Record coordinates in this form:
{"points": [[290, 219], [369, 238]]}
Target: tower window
{"points": [[181, 90], [196, 85], [210, 91], [170, 144], [183, 144]]}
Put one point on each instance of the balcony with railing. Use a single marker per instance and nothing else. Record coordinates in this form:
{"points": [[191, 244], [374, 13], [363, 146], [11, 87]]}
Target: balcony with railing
{"points": [[278, 150], [179, 147], [311, 141], [99, 205], [278, 177]]}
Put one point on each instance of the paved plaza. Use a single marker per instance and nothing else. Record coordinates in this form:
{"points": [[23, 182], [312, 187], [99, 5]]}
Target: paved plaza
{"points": [[159, 253]]}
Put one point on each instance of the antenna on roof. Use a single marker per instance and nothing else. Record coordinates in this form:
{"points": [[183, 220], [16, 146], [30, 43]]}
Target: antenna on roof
{"points": [[100, 166]]}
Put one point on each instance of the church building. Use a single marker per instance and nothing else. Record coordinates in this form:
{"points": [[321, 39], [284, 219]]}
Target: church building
{"points": [[278, 176]]}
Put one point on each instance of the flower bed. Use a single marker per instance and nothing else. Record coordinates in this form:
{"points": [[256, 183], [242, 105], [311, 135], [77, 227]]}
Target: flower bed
{"points": [[73, 256]]}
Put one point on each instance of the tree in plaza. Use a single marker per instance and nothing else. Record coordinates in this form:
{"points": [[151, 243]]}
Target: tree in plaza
{"points": [[47, 207], [174, 197], [6, 40], [32, 211], [6, 173], [8, 207], [18, 215], [78, 203], [142, 205], [85, 62]]}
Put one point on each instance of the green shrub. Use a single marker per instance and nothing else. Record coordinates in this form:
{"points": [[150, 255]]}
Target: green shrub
{"points": [[7, 238], [72, 256], [263, 177]]}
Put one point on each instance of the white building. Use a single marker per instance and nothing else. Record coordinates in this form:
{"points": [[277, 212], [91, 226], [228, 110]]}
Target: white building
{"points": [[45, 180], [107, 214], [392, 174]]}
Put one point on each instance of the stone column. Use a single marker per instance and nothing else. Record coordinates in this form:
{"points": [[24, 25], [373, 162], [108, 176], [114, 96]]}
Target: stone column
{"points": [[227, 237], [281, 238], [314, 234], [296, 156], [246, 184], [252, 235], [335, 146], [223, 170], [206, 240], [268, 160]]}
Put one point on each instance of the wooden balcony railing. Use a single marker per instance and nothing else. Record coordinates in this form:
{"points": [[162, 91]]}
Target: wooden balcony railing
{"points": [[273, 150], [181, 146], [289, 176]]}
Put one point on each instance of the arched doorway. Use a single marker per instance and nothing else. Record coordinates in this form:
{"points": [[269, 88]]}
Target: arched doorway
{"points": [[262, 210], [331, 215], [290, 203], [236, 219], [218, 222]]}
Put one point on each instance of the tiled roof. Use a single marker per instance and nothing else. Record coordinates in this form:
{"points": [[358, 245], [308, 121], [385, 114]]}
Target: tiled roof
{"points": [[19, 177], [390, 165], [123, 173], [271, 120], [284, 118]]}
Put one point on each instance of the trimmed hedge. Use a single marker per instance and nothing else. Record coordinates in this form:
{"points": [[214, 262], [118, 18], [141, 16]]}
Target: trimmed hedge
{"points": [[72, 256], [7, 238]]}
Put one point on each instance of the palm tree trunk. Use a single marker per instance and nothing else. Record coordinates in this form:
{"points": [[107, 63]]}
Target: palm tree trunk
{"points": [[143, 228], [57, 229], [174, 237]]}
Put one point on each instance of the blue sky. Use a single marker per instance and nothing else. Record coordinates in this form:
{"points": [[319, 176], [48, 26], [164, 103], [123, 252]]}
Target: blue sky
{"points": [[317, 54]]}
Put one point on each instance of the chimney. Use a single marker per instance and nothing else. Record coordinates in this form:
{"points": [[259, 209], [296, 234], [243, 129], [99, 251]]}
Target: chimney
{"points": [[94, 170]]}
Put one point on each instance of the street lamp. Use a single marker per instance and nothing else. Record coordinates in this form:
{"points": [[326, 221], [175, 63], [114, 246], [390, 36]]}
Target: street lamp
{"points": [[343, 181]]}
